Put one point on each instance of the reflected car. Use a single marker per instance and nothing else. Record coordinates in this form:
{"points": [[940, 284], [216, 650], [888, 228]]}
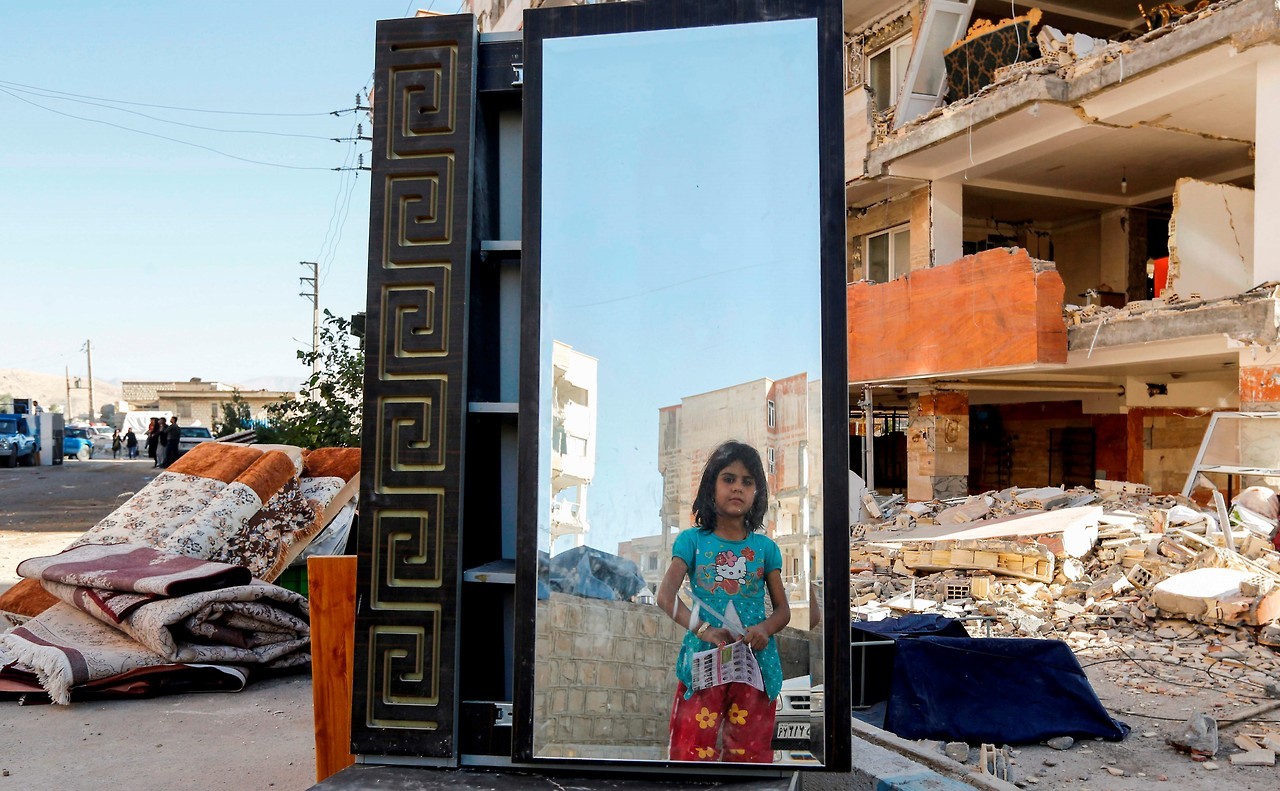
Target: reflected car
{"points": [[190, 436], [17, 442], [77, 443], [797, 705]]}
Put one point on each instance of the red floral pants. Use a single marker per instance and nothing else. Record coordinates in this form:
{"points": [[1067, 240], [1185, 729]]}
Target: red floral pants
{"points": [[730, 722]]}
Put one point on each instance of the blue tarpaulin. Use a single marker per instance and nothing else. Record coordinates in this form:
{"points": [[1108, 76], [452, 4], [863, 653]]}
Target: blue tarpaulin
{"points": [[594, 574], [993, 690]]}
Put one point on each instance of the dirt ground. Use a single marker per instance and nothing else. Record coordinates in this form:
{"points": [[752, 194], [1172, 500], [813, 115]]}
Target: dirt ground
{"points": [[260, 738]]}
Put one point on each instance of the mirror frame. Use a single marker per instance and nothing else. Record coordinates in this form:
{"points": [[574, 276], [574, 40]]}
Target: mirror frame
{"points": [[652, 15]]}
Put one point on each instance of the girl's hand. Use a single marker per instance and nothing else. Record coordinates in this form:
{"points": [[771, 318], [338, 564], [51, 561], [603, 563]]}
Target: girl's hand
{"points": [[717, 635], [756, 637]]}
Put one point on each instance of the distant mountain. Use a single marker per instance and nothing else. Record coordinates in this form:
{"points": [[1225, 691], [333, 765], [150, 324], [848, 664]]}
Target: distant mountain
{"points": [[290, 384], [51, 390]]}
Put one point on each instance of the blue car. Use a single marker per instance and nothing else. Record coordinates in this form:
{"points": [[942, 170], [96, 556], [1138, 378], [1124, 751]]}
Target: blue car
{"points": [[76, 443], [17, 442]]}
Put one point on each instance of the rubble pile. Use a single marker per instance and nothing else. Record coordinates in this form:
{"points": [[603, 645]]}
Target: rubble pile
{"points": [[1114, 571]]}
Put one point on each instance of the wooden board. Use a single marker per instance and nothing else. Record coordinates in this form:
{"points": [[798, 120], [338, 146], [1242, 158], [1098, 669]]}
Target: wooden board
{"points": [[331, 585]]}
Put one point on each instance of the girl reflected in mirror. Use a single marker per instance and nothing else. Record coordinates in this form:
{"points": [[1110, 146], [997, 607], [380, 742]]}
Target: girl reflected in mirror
{"points": [[730, 565]]}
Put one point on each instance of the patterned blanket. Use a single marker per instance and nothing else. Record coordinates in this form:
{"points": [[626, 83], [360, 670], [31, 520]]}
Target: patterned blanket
{"points": [[100, 608], [160, 609]]}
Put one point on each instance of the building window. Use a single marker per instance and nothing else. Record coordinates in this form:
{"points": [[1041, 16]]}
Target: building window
{"points": [[771, 413], [772, 465], [887, 254], [886, 71]]}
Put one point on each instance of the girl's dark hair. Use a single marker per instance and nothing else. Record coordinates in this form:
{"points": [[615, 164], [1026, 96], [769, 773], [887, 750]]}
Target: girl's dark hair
{"points": [[704, 504]]}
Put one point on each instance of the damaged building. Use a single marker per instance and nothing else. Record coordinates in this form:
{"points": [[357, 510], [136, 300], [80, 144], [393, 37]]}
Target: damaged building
{"points": [[1055, 273]]}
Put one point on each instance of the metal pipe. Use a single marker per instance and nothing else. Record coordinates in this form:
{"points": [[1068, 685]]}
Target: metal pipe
{"points": [[1064, 387], [868, 441]]}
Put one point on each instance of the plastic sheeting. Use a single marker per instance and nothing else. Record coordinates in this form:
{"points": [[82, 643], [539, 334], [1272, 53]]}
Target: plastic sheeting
{"points": [[873, 664], [993, 690], [594, 574]]}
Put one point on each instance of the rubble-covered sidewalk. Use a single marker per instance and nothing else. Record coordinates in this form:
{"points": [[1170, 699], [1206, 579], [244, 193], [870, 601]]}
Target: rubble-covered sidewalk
{"points": [[1167, 610]]}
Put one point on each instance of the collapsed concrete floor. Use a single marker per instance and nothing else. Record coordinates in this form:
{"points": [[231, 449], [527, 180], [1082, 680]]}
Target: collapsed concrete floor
{"points": [[1120, 576]]}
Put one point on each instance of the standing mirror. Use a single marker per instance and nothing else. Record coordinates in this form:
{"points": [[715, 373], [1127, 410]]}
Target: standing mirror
{"points": [[683, 287]]}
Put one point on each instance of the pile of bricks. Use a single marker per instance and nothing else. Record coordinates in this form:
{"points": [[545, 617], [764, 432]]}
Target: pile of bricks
{"points": [[1150, 584]]}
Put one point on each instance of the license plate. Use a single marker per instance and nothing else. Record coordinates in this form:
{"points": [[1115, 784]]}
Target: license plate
{"points": [[792, 730]]}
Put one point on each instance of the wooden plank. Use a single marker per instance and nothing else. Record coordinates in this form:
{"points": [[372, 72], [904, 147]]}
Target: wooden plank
{"points": [[331, 587]]}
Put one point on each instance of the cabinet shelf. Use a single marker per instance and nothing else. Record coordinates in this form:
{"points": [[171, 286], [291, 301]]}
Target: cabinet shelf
{"points": [[498, 572], [493, 407]]}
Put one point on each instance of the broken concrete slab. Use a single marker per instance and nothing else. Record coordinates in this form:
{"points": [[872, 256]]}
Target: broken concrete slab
{"points": [[1259, 757], [1214, 594]]}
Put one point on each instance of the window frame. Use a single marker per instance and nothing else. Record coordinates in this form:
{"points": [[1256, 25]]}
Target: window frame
{"points": [[894, 270], [880, 104]]}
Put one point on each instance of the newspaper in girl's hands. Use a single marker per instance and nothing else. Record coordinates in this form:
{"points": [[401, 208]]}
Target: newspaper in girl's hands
{"points": [[726, 664]]}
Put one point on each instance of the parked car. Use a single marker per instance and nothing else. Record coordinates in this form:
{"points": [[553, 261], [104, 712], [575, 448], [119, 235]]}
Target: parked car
{"points": [[101, 436], [77, 443], [794, 711], [190, 436], [17, 441]]}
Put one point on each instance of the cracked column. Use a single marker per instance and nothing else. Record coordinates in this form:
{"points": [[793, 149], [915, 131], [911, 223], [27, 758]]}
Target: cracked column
{"points": [[938, 446], [1266, 179]]}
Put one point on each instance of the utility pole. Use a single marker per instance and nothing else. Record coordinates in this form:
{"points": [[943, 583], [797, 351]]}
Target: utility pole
{"points": [[314, 295], [88, 351], [67, 369]]}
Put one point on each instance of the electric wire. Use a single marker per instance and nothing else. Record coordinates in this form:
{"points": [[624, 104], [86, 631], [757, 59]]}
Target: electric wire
{"points": [[337, 197], [1206, 670], [160, 136], [166, 120], [12, 84]]}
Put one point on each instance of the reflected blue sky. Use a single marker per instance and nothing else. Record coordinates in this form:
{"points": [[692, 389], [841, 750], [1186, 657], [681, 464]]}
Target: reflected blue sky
{"points": [[680, 229]]}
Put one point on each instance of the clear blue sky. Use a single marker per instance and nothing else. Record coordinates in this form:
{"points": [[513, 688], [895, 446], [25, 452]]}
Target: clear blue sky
{"points": [[680, 230], [176, 261]]}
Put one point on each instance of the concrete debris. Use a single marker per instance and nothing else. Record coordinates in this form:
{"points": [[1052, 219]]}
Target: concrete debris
{"points": [[1257, 757], [1198, 736], [957, 751], [1148, 584]]}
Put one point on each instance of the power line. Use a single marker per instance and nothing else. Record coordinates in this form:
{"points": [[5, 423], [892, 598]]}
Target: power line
{"points": [[168, 121], [157, 106], [162, 137]]}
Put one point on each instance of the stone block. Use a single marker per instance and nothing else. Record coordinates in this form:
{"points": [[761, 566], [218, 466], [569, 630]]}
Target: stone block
{"points": [[597, 700], [607, 674], [587, 673]]}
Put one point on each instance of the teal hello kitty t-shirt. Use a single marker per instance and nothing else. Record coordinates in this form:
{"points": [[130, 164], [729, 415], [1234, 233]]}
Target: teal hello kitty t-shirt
{"points": [[727, 578]]}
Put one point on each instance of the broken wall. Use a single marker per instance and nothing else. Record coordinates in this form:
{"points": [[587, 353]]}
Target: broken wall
{"points": [[912, 209], [1170, 442], [996, 309], [1211, 239], [1077, 253]]}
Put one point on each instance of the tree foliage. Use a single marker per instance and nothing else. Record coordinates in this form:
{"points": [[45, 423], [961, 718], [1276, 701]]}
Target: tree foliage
{"points": [[327, 413], [236, 416]]}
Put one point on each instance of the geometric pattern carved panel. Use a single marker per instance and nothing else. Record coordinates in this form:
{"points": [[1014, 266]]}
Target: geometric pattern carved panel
{"points": [[417, 317], [404, 694]]}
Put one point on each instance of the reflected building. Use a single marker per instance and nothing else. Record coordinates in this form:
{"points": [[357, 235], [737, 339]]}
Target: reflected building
{"points": [[573, 444], [781, 418]]}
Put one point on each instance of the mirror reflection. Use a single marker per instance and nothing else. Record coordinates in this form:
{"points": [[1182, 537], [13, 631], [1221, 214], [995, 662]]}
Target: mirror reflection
{"points": [[680, 405]]}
